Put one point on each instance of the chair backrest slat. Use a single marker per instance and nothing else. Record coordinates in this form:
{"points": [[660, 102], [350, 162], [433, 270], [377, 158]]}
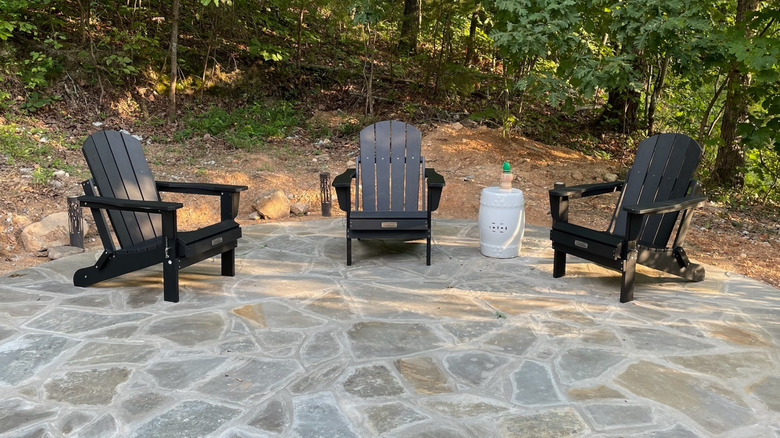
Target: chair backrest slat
{"points": [[367, 169], [119, 169], [662, 170], [390, 167]]}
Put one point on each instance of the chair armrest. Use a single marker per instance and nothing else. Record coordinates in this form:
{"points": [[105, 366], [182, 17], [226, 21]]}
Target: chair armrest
{"points": [[435, 183], [669, 206], [344, 179], [198, 188], [585, 190], [433, 178], [128, 204], [343, 185]]}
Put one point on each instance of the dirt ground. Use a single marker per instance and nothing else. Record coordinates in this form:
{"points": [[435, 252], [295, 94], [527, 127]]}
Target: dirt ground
{"points": [[469, 157]]}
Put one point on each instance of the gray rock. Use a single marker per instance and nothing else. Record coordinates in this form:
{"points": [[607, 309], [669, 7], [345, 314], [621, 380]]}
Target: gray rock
{"points": [[189, 330], [607, 416], [549, 424], [255, 378], [586, 363], [610, 177], [272, 417]]}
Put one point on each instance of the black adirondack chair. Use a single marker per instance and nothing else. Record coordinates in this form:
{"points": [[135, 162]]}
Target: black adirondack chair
{"points": [[145, 227], [391, 200], [658, 189]]}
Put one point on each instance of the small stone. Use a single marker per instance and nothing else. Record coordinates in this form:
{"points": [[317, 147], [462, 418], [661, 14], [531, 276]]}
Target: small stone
{"points": [[255, 216], [299, 209], [59, 252], [610, 177]]}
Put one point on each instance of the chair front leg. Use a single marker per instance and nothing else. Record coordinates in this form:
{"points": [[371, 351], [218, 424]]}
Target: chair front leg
{"points": [[170, 258], [629, 275], [559, 264], [228, 259]]}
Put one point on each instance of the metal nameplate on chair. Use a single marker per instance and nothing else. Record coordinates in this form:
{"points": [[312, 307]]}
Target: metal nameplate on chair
{"points": [[389, 225]]}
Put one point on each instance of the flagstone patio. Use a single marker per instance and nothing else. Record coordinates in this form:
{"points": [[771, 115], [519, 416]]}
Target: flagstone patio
{"points": [[298, 344]]}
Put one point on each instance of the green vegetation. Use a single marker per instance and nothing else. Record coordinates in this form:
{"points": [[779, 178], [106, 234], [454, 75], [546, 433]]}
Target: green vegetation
{"points": [[247, 72]]}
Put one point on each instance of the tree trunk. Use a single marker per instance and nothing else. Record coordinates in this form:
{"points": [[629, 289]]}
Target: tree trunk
{"points": [[657, 87], [174, 62], [410, 26], [301, 11], [730, 156], [472, 34], [622, 107]]}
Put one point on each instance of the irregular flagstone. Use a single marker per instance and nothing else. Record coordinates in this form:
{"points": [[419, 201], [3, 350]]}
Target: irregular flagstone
{"points": [[275, 316], [548, 424], [726, 366], [602, 337], [318, 416], [319, 378], [471, 330], [533, 385], [275, 285], [586, 363], [606, 416], [385, 418], [768, 391], [711, 405], [737, 335], [526, 305], [424, 375], [573, 316], [74, 420], [474, 367], [377, 339], [188, 419], [98, 301], [8, 295], [595, 393], [464, 405], [189, 330], [255, 378], [271, 417], [243, 344], [321, 346], [516, 340], [676, 431], [279, 343], [645, 338], [22, 358], [77, 321], [142, 404], [373, 381], [180, 374], [434, 431], [96, 353], [332, 305], [94, 387], [17, 413], [105, 426], [6, 333]]}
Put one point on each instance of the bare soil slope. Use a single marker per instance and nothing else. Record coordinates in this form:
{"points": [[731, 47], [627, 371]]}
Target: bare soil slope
{"points": [[469, 157]]}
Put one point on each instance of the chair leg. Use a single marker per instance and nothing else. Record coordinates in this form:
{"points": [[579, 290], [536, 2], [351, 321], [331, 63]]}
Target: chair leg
{"points": [[559, 264], [629, 275], [229, 263], [170, 282], [349, 251], [428, 252]]}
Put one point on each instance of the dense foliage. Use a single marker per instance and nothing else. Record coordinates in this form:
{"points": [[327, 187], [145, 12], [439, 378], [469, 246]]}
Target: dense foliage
{"points": [[708, 68]]}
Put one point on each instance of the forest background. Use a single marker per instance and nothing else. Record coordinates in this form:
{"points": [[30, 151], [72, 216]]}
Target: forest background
{"points": [[592, 75]]}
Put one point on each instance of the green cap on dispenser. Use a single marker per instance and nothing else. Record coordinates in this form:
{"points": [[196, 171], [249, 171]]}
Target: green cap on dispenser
{"points": [[506, 167]]}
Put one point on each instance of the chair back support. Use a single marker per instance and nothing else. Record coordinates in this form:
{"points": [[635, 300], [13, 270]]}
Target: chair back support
{"points": [[119, 170], [662, 170], [390, 168]]}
